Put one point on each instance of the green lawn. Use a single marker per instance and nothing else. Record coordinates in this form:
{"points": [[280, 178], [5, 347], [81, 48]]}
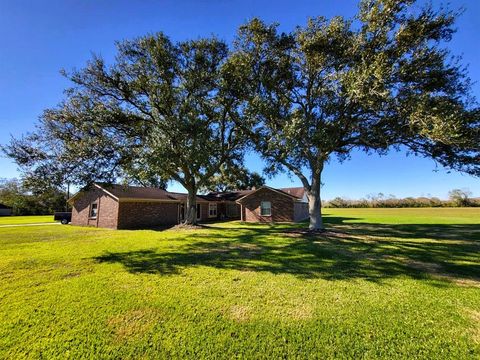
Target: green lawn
{"points": [[382, 283], [34, 219]]}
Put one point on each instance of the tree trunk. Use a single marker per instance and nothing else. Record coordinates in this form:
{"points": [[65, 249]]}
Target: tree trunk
{"points": [[191, 211], [315, 203], [68, 197]]}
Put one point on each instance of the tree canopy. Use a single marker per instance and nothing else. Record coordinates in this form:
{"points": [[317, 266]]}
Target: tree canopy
{"points": [[185, 111], [160, 112], [460, 197], [381, 80], [27, 201], [231, 178]]}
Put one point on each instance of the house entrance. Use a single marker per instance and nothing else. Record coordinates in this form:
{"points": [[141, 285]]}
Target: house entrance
{"points": [[183, 212]]}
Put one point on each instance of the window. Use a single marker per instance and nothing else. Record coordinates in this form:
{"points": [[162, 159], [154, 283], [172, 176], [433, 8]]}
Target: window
{"points": [[212, 210], [93, 210], [266, 208]]}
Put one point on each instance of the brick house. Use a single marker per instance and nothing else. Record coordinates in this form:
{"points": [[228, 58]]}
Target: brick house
{"points": [[267, 204], [129, 207]]}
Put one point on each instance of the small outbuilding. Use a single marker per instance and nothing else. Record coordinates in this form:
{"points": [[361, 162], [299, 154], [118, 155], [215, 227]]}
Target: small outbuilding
{"points": [[5, 210], [267, 204]]}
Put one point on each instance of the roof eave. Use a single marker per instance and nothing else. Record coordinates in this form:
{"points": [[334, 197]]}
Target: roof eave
{"points": [[238, 201], [80, 192], [148, 200]]}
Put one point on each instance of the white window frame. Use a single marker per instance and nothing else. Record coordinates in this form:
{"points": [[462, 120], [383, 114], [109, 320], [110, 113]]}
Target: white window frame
{"points": [[90, 216], [212, 206], [262, 207]]}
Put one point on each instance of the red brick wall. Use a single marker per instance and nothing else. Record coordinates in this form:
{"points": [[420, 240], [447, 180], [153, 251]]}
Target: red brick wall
{"points": [[232, 210], [227, 210], [282, 207], [129, 215], [147, 214], [203, 210], [107, 210], [221, 210]]}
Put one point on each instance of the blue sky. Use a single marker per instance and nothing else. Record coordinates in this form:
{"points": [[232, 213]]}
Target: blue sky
{"points": [[41, 37]]}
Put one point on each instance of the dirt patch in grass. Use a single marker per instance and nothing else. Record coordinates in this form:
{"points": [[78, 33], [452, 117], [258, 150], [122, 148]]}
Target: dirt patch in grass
{"points": [[134, 323], [475, 317], [187, 227], [75, 273], [70, 275], [429, 268], [246, 250], [239, 313], [296, 312], [437, 271], [302, 312], [466, 282], [306, 233]]}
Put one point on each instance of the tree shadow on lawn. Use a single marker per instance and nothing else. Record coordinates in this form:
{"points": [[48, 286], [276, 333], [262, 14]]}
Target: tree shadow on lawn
{"points": [[347, 251]]}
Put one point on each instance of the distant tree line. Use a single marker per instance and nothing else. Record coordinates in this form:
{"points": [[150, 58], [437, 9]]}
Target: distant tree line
{"points": [[457, 198], [27, 201]]}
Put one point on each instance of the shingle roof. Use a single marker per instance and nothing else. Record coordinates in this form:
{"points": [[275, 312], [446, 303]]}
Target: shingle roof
{"points": [[142, 193], [126, 192], [227, 196], [183, 196], [280, 191], [298, 192], [137, 192], [4, 206]]}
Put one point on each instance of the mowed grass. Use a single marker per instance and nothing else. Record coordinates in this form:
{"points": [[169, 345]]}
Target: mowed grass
{"points": [[382, 283], [33, 219]]}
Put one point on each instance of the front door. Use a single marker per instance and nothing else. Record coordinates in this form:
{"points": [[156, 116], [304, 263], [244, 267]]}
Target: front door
{"points": [[199, 214]]}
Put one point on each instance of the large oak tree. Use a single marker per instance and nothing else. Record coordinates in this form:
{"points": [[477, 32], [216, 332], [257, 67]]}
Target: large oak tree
{"points": [[379, 81], [232, 178], [160, 112]]}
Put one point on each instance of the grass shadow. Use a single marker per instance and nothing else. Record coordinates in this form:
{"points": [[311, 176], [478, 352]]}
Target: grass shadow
{"points": [[348, 251]]}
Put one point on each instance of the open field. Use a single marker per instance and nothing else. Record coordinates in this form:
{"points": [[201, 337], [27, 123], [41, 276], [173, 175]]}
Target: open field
{"points": [[382, 283], [34, 219]]}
